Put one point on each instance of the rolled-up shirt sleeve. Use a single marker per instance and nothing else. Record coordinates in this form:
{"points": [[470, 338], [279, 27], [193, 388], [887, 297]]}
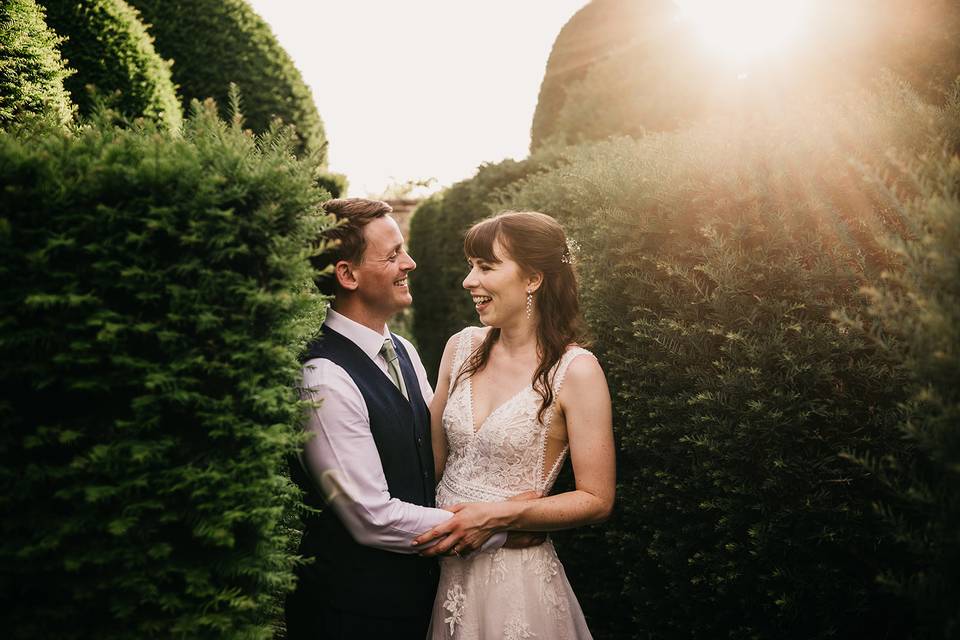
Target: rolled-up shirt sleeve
{"points": [[343, 458]]}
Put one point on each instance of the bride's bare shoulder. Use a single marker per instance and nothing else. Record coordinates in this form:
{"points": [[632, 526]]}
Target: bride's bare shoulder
{"points": [[583, 367]]}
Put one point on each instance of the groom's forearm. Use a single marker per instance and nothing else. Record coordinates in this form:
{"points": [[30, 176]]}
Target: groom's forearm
{"points": [[390, 526]]}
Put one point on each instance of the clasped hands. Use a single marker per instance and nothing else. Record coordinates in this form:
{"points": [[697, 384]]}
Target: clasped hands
{"points": [[472, 525]]}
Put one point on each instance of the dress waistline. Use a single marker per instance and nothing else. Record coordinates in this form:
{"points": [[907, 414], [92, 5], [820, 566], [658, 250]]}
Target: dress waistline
{"points": [[475, 491]]}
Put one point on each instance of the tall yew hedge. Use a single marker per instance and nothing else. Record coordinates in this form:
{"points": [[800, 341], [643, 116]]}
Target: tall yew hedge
{"points": [[635, 66], [713, 262], [914, 315], [153, 296], [31, 70], [110, 49], [214, 43], [599, 30]]}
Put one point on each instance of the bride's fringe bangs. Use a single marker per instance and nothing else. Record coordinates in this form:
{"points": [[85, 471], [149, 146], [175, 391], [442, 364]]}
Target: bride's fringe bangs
{"points": [[479, 241]]}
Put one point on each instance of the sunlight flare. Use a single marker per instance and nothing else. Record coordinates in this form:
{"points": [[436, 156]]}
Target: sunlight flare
{"points": [[742, 30]]}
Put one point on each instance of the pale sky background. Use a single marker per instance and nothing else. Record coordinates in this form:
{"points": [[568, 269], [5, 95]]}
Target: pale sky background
{"points": [[416, 89]]}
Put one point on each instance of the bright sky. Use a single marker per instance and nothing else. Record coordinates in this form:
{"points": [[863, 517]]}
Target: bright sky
{"points": [[418, 89]]}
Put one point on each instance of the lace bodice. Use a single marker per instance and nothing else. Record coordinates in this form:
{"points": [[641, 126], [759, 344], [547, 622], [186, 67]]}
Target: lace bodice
{"points": [[507, 454]]}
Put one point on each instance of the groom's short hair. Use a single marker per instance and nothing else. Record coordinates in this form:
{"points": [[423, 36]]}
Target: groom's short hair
{"points": [[352, 214]]}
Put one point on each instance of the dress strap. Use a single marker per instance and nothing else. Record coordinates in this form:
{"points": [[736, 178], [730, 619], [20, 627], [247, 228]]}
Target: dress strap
{"points": [[563, 365], [463, 350]]}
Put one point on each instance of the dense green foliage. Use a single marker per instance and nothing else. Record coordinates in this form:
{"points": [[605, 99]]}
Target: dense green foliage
{"points": [[333, 183], [110, 49], [155, 291], [31, 70], [915, 314], [440, 305], [653, 72], [599, 30], [217, 42], [712, 262]]}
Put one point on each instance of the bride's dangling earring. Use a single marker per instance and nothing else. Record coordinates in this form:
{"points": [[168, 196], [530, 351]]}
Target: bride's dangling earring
{"points": [[529, 304]]}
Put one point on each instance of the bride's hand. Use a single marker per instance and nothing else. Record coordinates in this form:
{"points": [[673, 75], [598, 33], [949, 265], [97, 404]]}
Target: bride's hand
{"points": [[472, 525]]}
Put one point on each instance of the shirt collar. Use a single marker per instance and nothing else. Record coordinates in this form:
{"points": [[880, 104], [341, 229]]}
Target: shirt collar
{"points": [[369, 341]]}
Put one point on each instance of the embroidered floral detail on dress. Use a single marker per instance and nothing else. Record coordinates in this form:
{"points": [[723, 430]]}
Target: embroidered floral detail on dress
{"points": [[454, 604], [516, 629], [546, 568], [499, 566]]}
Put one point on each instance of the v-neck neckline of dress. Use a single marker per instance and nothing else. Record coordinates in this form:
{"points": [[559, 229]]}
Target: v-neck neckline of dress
{"points": [[473, 420]]}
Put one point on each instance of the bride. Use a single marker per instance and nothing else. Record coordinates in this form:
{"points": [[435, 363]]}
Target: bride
{"points": [[513, 399]]}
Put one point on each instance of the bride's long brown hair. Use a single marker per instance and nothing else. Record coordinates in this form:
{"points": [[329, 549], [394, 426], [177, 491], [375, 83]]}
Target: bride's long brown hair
{"points": [[537, 243]]}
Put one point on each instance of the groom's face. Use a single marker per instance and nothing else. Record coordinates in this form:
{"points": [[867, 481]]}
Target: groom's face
{"points": [[382, 275]]}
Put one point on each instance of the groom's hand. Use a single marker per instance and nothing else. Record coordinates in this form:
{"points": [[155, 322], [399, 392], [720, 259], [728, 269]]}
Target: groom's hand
{"points": [[470, 527], [524, 539]]}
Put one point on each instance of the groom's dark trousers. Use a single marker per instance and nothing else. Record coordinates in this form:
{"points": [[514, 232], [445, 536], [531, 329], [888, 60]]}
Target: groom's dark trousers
{"points": [[349, 590]]}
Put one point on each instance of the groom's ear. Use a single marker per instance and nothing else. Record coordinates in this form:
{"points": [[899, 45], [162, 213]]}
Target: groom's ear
{"points": [[346, 278]]}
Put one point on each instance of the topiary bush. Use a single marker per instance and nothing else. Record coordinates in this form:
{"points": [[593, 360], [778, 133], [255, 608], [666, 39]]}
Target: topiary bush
{"points": [[914, 315], [601, 29], [110, 49], [217, 42], [335, 184], [31, 70], [652, 73], [155, 293], [712, 262]]}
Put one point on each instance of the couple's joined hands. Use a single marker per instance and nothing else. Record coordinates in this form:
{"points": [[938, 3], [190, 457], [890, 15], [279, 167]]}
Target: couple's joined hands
{"points": [[472, 525]]}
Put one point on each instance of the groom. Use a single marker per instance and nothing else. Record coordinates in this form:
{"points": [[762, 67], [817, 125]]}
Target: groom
{"points": [[369, 466]]}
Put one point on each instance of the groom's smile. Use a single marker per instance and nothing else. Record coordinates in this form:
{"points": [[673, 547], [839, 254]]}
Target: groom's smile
{"points": [[384, 270]]}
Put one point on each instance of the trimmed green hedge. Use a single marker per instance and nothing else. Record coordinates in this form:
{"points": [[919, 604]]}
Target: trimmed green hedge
{"points": [[914, 314], [217, 42], [712, 262], [155, 293], [597, 31], [31, 70], [333, 183], [108, 46], [649, 73]]}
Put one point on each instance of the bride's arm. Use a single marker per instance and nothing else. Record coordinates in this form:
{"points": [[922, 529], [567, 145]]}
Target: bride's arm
{"points": [[437, 436], [585, 402]]}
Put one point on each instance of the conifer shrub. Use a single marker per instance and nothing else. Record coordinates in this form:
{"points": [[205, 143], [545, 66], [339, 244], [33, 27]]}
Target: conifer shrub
{"points": [[441, 307], [155, 292], [712, 260], [599, 30], [914, 314], [31, 70], [218, 42], [110, 49], [655, 74], [333, 183]]}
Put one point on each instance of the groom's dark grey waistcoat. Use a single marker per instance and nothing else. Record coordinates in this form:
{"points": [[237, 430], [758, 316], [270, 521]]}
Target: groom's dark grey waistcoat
{"points": [[346, 574]]}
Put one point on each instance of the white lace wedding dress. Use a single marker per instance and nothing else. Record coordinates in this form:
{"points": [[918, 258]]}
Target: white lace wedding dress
{"points": [[510, 593]]}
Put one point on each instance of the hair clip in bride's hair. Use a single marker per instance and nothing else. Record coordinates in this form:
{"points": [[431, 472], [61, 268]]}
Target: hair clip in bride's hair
{"points": [[572, 248]]}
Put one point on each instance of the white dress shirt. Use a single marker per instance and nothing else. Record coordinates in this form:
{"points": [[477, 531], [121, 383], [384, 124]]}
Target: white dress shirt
{"points": [[344, 457]]}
